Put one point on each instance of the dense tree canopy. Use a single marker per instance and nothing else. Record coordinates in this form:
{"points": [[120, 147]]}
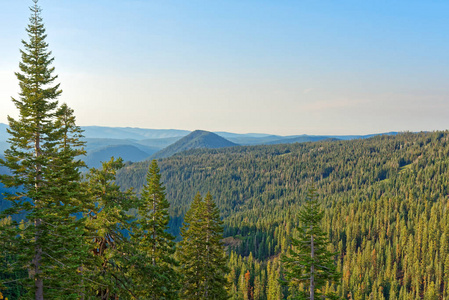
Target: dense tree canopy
{"points": [[373, 191], [383, 203]]}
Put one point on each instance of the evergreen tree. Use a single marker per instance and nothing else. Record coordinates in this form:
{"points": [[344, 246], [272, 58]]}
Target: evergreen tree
{"points": [[309, 262], [67, 198], [107, 228], [44, 141], [190, 251], [161, 280], [215, 282], [274, 288], [201, 253]]}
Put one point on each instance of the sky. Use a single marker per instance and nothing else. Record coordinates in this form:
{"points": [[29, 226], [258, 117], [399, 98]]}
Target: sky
{"points": [[267, 66]]}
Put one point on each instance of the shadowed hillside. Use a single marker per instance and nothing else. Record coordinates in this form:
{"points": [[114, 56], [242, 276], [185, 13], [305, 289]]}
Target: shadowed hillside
{"points": [[126, 152]]}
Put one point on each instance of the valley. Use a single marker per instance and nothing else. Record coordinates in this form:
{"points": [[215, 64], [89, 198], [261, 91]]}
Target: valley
{"points": [[381, 196]]}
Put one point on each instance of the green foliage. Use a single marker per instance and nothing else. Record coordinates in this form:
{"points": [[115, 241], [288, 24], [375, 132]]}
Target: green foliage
{"points": [[45, 250], [9, 277], [214, 255], [384, 202], [373, 192], [201, 253], [107, 228], [155, 243], [309, 263]]}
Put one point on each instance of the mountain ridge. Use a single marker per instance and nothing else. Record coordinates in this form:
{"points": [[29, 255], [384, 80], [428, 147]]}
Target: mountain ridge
{"points": [[102, 142], [195, 140]]}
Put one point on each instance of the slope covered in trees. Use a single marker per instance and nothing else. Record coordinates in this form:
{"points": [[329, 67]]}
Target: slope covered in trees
{"points": [[275, 176], [385, 201]]}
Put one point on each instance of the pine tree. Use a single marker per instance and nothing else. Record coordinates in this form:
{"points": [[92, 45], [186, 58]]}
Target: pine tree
{"points": [[156, 245], [42, 162], [274, 288], [190, 251], [64, 214], [107, 228], [309, 262], [201, 253], [215, 282]]}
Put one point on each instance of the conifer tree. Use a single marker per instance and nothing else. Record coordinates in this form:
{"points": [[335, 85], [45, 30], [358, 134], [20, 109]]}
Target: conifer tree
{"points": [[201, 253], [190, 251], [156, 245], [42, 162], [215, 282], [107, 228], [67, 198], [309, 262]]}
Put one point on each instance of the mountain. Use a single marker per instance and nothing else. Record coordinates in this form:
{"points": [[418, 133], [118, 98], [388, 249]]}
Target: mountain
{"points": [[126, 152], [266, 139], [3, 138], [3, 131], [229, 135], [195, 140], [3, 146], [270, 182], [103, 141], [102, 149], [298, 139], [130, 132], [251, 140], [385, 202], [384, 199], [366, 136], [159, 143]]}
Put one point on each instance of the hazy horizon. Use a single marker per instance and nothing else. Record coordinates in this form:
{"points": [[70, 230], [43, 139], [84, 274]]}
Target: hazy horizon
{"points": [[316, 68], [231, 132]]}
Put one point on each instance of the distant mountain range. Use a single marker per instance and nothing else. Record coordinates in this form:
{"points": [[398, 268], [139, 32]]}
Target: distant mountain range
{"points": [[131, 133], [136, 144]]}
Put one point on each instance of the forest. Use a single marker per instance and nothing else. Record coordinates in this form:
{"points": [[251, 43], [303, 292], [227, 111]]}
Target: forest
{"points": [[357, 219], [385, 203]]}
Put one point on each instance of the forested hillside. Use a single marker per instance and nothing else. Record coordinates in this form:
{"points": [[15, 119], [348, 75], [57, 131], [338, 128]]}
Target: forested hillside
{"points": [[385, 200], [283, 217]]}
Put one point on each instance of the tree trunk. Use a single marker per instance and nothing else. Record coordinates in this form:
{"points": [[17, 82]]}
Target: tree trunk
{"points": [[206, 288], [154, 237], [312, 267], [154, 230], [38, 281]]}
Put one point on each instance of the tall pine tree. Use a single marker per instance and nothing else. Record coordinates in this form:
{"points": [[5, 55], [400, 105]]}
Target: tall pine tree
{"points": [[308, 262], [155, 244], [190, 251], [42, 162], [201, 253], [215, 282]]}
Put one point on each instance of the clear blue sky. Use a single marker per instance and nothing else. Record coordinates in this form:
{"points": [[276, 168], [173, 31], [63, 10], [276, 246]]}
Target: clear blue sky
{"points": [[282, 67]]}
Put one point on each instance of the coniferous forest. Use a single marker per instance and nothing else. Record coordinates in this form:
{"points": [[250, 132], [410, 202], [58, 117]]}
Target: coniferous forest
{"points": [[357, 219], [384, 200]]}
